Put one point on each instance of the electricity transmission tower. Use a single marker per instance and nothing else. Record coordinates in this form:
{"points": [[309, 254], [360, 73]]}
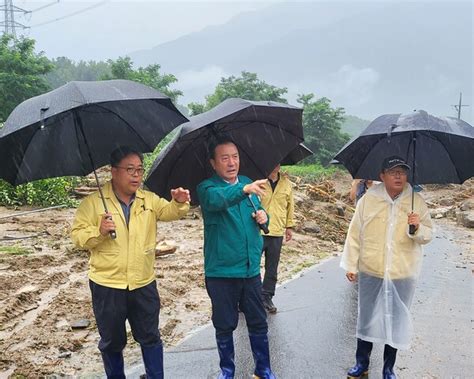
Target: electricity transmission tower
{"points": [[9, 25], [8, 10]]}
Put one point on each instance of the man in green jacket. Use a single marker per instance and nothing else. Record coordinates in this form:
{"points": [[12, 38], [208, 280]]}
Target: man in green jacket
{"points": [[232, 250]]}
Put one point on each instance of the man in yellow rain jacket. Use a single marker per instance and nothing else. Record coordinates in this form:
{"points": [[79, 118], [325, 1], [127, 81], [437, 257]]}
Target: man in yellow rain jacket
{"points": [[278, 202], [385, 259], [122, 273]]}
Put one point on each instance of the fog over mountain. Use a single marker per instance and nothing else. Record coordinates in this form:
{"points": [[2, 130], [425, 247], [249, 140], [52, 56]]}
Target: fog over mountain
{"points": [[370, 58]]}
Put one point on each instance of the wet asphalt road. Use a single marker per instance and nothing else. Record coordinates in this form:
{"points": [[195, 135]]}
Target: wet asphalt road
{"points": [[312, 335]]}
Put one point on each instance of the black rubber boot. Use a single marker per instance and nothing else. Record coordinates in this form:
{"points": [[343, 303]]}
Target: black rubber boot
{"points": [[361, 368]]}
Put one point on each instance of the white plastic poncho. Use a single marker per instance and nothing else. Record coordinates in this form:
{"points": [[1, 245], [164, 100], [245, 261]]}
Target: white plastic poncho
{"points": [[388, 260]]}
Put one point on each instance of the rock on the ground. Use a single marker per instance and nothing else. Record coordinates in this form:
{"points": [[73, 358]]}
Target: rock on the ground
{"points": [[447, 201], [467, 205], [465, 218], [80, 323], [301, 199], [165, 248], [442, 212], [310, 227]]}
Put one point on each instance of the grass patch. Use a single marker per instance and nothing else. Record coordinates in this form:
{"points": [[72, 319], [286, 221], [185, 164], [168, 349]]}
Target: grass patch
{"points": [[289, 250], [302, 266], [311, 172], [15, 250]]}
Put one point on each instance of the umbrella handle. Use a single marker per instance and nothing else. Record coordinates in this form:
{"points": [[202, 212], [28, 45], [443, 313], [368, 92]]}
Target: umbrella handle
{"points": [[112, 233], [411, 229], [263, 227]]}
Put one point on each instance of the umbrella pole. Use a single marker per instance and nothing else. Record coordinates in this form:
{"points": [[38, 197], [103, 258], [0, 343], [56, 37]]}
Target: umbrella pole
{"points": [[113, 233], [261, 226], [412, 227]]}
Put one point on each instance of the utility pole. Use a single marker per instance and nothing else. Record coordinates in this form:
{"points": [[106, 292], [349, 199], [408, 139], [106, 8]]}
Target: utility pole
{"points": [[460, 105], [9, 24]]}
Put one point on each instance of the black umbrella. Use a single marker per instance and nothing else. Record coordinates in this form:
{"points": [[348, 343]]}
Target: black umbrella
{"points": [[296, 155], [59, 132], [73, 129], [264, 132], [438, 149]]}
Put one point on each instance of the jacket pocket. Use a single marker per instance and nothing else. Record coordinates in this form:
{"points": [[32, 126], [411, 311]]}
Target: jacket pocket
{"points": [[105, 262], [372, 258], [147, 260]]}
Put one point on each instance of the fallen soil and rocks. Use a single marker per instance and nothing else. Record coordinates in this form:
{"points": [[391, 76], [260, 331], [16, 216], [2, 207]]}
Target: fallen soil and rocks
{"points": [[46, 322]]}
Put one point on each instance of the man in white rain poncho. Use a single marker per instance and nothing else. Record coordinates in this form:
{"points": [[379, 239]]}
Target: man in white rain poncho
{"points": [[386, 260]]}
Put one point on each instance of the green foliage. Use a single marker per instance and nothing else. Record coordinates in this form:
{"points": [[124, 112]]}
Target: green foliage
{"points": [[311, 172], [22, 75], [248, 86], [149, 158], [21, 72], [353, 125], [15, 250], [197, 108], [66, 70], [122, 68], [46, 192], [322, 128]]}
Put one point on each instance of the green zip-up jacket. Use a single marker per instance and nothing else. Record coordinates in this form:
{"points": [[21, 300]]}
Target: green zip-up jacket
{"points": [[232, 239]]}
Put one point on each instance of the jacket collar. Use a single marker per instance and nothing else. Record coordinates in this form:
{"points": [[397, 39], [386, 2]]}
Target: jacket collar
{"points": [[109, 192], [380, 191], [223, 182]]}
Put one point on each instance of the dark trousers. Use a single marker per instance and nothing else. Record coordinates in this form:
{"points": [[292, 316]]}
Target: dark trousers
{"points": [[113, 306], [227, 294], [271, 250]]}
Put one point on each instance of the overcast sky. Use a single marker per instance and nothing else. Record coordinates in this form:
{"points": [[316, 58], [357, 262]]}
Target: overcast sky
{"points": [[99, 30], [114, 28]]}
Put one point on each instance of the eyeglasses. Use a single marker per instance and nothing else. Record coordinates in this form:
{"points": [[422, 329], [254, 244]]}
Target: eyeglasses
{"points": [[396, 173], [132, 170]]}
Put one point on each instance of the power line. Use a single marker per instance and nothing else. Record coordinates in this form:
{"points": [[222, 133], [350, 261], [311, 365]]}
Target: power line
{"points": [[71, 14], [44, 6], [9, 24]]}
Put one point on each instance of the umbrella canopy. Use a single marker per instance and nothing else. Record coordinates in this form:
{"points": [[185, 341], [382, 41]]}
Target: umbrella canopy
{"points": [[264, 132], [73, 129], [296, 155], [438, 149]]}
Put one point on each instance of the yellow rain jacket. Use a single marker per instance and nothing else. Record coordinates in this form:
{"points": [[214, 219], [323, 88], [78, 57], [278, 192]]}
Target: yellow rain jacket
{"points": [[378, 241], [280, 206], [127, 261]]}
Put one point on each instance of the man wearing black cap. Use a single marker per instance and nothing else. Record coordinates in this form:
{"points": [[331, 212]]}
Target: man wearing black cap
{"points": [[385, 259]]}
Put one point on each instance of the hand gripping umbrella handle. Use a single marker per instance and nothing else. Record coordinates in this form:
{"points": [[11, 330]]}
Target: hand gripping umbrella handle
{"points": [[112, 233], [263, 227]]}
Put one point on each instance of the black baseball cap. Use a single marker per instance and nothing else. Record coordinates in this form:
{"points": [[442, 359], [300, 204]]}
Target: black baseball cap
{"points": [[394, 161]]}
